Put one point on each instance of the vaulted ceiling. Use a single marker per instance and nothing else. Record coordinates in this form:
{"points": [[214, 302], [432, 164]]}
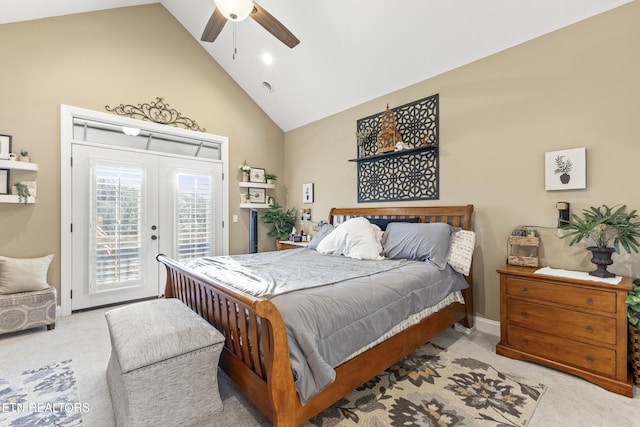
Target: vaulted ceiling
{"points": [[350, 51]]}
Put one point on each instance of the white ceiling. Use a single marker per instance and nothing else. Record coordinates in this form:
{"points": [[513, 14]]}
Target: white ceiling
{"points": [[350, 51]]}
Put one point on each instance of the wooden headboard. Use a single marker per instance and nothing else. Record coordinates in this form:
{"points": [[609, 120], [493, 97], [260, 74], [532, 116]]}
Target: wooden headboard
{"points": [[457, 216]]}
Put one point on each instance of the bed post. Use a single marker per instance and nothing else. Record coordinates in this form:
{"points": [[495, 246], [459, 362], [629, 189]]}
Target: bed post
{"points": [[281, 388]]}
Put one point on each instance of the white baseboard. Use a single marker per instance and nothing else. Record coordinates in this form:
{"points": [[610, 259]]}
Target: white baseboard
{"points": [[488, 326]]}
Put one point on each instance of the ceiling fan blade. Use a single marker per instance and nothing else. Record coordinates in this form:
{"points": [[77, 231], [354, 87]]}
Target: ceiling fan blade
{"points": [[214, 26], [274, 26]]}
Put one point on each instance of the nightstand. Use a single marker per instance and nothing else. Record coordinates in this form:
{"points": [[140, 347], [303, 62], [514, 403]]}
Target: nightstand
{"points": [[576, 326], [283, 245]]}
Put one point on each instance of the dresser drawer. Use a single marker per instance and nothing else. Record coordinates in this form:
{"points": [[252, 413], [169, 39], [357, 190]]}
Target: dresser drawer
{"points": [[566, 323], [591, 299], [585, 356]]}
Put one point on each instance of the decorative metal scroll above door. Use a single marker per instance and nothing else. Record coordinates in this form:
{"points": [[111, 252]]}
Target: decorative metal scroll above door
{"points": [[411, 172], [157, 112]]}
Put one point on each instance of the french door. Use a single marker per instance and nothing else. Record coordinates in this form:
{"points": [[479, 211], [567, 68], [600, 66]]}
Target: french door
{"points": [[127, 207]]}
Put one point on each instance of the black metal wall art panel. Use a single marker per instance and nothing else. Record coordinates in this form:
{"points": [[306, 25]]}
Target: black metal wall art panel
{"points": [[410, 173], [416, 121]]}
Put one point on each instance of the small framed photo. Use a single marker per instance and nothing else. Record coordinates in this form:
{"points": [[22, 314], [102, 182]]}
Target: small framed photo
{"points": [[4, 181], [257, 175], [565, 169], [5, 146], [258, 195], [307, 193]]}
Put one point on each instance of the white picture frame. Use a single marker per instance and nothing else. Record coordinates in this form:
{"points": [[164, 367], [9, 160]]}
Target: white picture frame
{"points": [[5, 146], [4, 181], [307, 193], [566, 169]]}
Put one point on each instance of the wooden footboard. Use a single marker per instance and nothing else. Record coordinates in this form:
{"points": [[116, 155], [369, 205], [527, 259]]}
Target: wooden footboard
{"points": [[256, 351]]}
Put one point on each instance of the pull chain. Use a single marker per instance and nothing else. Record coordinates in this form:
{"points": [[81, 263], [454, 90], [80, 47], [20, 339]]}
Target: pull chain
{"points": [[235, 50]]}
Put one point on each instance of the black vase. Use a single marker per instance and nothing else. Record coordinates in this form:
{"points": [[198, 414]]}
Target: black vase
{"points": [[601, 258], [564, 178]]}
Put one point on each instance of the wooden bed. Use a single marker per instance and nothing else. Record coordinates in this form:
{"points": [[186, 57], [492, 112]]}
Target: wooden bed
{"points": [[253, 325]]}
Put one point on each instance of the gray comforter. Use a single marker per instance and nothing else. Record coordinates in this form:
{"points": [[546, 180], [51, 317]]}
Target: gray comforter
{"points": [[341, 305]]}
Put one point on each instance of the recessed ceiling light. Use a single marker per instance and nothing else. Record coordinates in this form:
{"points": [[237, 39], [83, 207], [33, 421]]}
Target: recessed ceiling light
{"points": [[267, 58], [267, 86]]}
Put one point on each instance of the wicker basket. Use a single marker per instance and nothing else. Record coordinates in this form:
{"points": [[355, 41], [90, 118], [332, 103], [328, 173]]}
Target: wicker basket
{"points": [[634, 352]]}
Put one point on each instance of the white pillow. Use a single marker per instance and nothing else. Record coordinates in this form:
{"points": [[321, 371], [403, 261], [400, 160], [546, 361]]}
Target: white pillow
{"points": [[354, 238], [23, 274], [461, 251]]}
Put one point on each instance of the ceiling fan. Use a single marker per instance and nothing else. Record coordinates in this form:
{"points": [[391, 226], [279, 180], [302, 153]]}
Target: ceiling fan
{"points": [[239, 10]]}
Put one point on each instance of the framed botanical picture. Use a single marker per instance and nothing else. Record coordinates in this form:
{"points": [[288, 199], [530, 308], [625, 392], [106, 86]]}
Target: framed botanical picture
{"points": [[258, 195], [5, 146], [566, 169], [257, 175], [4, 181], [307, 193]]}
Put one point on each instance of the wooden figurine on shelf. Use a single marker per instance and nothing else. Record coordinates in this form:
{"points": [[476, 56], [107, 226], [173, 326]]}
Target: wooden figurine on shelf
{"points": [[389, 135]]}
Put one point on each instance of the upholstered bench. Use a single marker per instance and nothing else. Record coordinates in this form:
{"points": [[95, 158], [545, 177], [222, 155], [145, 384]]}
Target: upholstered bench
{"points": [[26, 310], [26, 299], [163, 365]]}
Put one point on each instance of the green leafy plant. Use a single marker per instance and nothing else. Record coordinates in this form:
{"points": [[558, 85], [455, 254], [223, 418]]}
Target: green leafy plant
{"points": [[271, 176], [23, 192], [607, 227], [633, 303], [362, 135], [563, 166], [282, 220], [24, 153]]}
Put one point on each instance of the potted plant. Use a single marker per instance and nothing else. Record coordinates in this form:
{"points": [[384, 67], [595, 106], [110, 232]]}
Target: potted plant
{"points": [[282, 220], [23, 192], [563, 167], [24, 155], [609, 228], [633, 315], [361, 137], [271, 178], [245, 169]]}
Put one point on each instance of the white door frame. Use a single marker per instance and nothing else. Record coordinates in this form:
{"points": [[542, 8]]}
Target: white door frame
{"points": [[67, 115]]}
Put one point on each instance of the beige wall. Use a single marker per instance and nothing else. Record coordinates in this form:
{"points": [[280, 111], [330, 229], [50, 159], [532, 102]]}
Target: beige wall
{"points": [[130, 56], [576, 87]]}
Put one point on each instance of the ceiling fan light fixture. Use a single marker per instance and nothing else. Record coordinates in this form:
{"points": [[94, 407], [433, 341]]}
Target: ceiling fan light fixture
{"points": [[235, 10]]}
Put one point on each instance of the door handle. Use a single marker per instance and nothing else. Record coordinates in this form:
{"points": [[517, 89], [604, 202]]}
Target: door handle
{"points": [[154, 237]]}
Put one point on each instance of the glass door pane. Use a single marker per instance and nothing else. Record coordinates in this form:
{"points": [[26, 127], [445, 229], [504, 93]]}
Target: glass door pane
{"points": [[118, 215], [194, 231]]}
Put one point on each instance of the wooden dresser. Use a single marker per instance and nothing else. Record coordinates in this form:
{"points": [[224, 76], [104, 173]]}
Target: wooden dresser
{"points": [[577, 326]]}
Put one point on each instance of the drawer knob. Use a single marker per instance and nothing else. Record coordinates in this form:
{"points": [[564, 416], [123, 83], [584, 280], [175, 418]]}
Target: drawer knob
{"points": [[525, 290], [525, 314], [590, 358], [525, 341], [590, 329], [589, 301]]}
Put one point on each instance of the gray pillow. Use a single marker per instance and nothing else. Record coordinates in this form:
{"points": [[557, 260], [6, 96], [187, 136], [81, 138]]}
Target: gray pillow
{"points": [[422, 242], [321, 234], [383, 223]]}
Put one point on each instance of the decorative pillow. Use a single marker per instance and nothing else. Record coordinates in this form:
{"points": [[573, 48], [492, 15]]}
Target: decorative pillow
{"points": [[321, 234], [461, 251], [384, 222], [422, 242], [354, 238], [23, 274]]}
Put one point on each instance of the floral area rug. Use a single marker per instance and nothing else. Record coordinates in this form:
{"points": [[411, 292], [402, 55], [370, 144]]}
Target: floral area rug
{"points": [[436, 387], [43, 397]]}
